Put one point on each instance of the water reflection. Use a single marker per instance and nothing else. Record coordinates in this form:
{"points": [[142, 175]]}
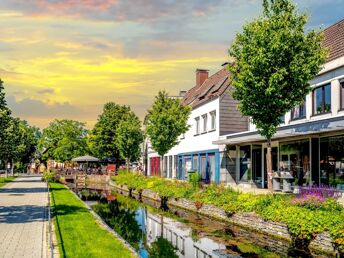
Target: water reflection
{"points": [[173, 234]]}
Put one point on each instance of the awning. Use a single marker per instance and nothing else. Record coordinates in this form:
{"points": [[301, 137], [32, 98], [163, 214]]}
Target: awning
{"points": [[85, 158], [294, 130]]}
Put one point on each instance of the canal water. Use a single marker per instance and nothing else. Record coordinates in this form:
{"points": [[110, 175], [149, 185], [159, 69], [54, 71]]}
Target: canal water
{"points": [[178, 233]]}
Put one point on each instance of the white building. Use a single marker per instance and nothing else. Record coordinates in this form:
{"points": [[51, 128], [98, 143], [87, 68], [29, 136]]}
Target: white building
{"points": [[211, 103]]}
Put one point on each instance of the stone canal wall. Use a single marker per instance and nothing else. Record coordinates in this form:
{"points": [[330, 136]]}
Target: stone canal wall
{"points": [[249, 220]]}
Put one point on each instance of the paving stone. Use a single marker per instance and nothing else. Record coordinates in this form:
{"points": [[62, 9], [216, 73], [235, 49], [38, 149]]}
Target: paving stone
{"points": [[23, 209]]}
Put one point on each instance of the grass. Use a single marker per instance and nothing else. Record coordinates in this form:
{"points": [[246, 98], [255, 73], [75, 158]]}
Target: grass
{"points": [[77, 230], [5, 180]]}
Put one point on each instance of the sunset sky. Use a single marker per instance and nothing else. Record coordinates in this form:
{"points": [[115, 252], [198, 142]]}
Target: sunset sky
{"points": [[66, 58]]}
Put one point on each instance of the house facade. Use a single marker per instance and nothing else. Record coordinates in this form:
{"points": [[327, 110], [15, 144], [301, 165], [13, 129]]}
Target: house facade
{"points": [[309, 144], [211, 103]]}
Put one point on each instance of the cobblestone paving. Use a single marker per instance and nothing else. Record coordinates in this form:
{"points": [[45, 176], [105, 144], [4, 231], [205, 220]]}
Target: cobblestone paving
{"points": [[23, 218]]}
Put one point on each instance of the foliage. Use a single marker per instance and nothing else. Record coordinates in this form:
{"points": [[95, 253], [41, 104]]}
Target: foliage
{"points": [[78, 232], [63, 140], [195, 179], [5, 180], [304, 221], [166, 121], [103, 136], [49, 176], [5, 117], [162, 248], [274, 59], [129, 138]]}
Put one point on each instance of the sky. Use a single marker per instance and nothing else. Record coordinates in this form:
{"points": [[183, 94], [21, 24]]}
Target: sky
{"points": [[65, 59]]}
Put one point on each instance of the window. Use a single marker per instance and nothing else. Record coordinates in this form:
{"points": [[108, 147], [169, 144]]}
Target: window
{"points": [[299, 111], [342, 95], [205, 122], [282, 119], [322, 99], [213, 120], [197, 126]]}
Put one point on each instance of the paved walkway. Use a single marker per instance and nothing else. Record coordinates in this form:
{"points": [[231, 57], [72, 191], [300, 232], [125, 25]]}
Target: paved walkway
{"points": [[23, 218]]}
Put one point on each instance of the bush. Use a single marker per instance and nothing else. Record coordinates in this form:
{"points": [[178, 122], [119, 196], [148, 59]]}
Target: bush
{"points": [[195, 179], [49, 176]]}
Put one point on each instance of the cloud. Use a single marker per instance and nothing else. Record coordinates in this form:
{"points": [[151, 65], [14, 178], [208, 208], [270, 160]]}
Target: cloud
{"points": [[46, 91], [115, 10], [36, 108]]}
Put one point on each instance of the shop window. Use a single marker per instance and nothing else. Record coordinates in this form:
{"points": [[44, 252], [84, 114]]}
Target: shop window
{"points": [[299, 111], [228, 162], [342, 95], [294, 158], [197, 126], [322, 99], [213, 120], [245, 163], [205, 123], [332, 161]]}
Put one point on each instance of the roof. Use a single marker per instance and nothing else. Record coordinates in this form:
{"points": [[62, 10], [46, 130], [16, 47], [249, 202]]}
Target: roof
{"points": [[211, 88], [334, 40]]}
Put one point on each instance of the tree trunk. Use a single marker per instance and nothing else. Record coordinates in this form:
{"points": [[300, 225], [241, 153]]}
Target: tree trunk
{"points": [[12, 167], [162, 166], [6, 168], [269, 164], [127, 162]]}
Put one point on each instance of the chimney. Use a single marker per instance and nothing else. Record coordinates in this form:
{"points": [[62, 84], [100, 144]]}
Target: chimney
{"points": [[201, 76]]}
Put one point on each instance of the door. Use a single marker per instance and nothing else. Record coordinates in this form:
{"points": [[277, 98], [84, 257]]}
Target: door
{"points": [[257, 164], [203, 165]]}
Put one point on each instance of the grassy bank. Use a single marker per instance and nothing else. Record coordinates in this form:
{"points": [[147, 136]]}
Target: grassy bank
{"points": [[78, 232], [306, 215], [5, 180]]}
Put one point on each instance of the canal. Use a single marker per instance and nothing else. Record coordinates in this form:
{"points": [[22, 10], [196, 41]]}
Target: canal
{"points": [[154, 232]]}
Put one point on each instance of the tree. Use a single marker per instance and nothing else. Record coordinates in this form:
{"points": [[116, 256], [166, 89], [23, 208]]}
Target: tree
{"points": [[129, 138], [63, 140], [166, 121], [5, 118], [274, 59], [162, 248], [104, 133]]}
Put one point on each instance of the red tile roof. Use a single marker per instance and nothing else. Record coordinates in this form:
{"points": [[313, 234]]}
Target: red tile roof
{"points": [[211, 88], [334, 40]]}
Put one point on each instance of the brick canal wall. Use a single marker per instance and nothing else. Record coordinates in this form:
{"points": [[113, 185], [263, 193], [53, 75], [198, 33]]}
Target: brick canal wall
{"points": [[248, 220]]}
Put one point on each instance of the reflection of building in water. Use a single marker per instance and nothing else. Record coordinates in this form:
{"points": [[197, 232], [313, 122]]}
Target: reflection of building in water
{"points": [[180, 237]]}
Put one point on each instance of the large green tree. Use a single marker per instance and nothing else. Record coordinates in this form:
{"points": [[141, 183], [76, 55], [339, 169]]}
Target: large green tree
{"points": [[166, 121], [63, 140], [129, 138], [274, 59], [5, 119], [103, 136]]}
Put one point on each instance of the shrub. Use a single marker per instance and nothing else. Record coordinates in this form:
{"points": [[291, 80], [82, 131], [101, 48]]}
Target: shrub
{"points": [[49, 176], [195, 179]]}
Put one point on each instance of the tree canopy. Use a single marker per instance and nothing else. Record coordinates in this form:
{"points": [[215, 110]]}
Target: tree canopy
{"points": [[274, 59], [103, 136], [166, 121], [129, 138], [63, 140]]}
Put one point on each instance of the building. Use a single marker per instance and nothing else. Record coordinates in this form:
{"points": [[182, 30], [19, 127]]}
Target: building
{"points": [[310, 141], [211, 103]]}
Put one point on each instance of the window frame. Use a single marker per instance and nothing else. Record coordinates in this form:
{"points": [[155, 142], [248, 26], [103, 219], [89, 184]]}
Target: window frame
{"points": [[292, 118], [212, 120], [205, 123], [341, 89], [322, 87], [198, 128]]}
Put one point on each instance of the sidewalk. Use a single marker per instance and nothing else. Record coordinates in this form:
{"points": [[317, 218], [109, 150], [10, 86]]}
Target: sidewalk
{"points": [[23, 218]]}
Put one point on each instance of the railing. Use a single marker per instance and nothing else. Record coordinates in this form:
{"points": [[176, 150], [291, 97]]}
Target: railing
{"points": [[50, 225]]}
